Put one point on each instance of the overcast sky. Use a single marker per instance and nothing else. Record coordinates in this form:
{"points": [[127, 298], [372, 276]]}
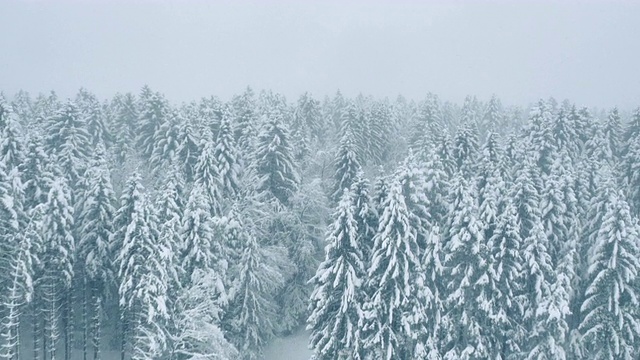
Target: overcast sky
{"points": [[588, 52]]}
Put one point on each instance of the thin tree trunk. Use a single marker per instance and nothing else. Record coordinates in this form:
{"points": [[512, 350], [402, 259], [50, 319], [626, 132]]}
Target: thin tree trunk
{"points": [[97, 324], [85, 317], [68, 323], [36, 331], [123, 339]]}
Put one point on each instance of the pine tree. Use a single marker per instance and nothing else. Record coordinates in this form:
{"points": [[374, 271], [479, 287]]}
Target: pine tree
{"points": [[92, 115], [165, 141], [188, 148], [12, 152], [200, 249], [96, 212], [347, 166], [492, 117], [428, 125], [540, 136], [152, 114], [336, 302], [547, 301], [125, 115], [58, 257], [276, 172], [352, 121], [365, 215], [16, 263], [35, 177], [227, 157], [613, 132], [196, 333], [610, 323], [505, 278], [206, 175], [465, 261], [394, 310], [381, 128], [68, 142], [141, 274], [245, 123], [465, 148], [252, 314]]}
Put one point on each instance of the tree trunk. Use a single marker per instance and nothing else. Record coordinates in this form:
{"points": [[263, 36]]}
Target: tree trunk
{"points": [[36, 331], [97, 318]]}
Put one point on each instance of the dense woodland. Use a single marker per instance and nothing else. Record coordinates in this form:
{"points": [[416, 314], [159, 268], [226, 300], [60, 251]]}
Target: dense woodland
{"points": [[390, 229]]}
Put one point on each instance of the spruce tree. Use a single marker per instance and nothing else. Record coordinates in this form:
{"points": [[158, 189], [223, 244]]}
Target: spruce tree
{"points": [[336, 302], [152, 114], [465, 260], [58, 257], [277, 176], [141, 273], [251, 318], [610, 324], [347, 166], [206, 175], [228, 159], [95, 224], [394, 310]]}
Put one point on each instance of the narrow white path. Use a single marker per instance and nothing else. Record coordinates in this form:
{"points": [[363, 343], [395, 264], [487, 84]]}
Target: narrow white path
{"points": [[294, 347]]}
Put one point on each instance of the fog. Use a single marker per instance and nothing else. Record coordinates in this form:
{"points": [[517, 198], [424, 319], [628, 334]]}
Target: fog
{"points": [[521, 51]]}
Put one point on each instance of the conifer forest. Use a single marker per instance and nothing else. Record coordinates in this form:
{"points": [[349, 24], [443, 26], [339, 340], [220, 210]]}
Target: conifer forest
{"points": [[134, 227]]}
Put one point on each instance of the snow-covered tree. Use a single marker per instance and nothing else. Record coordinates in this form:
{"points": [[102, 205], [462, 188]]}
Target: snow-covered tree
{"points": [[227, 157], [251, 318], [336, 302], [200, 250], [58, 257], [152, 114], [465, 260], [188, 148], [94, 222], [610, 325], [16, 263], [393, 311], [206, 175], [67, 141], [124, 116], [277, 176], [93, 116], [141, 274], [347, 166], [196, 319]]}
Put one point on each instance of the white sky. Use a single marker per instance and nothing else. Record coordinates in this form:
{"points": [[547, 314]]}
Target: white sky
{"points": [[586, 51]]}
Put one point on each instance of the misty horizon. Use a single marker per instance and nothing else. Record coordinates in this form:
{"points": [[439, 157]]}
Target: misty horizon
{"points": [[583, 52]]}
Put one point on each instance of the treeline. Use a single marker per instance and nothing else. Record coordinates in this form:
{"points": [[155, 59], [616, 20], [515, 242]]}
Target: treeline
{"points": [[197, 231], [524, 247]]}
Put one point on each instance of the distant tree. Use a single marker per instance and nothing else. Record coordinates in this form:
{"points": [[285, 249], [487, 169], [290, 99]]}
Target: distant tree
{"points": [[347, 166], [228, 159], [124, 125], [68, 141], [92, 115], [152, 114], [188, 150], [206, 175], [277, 176]]}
